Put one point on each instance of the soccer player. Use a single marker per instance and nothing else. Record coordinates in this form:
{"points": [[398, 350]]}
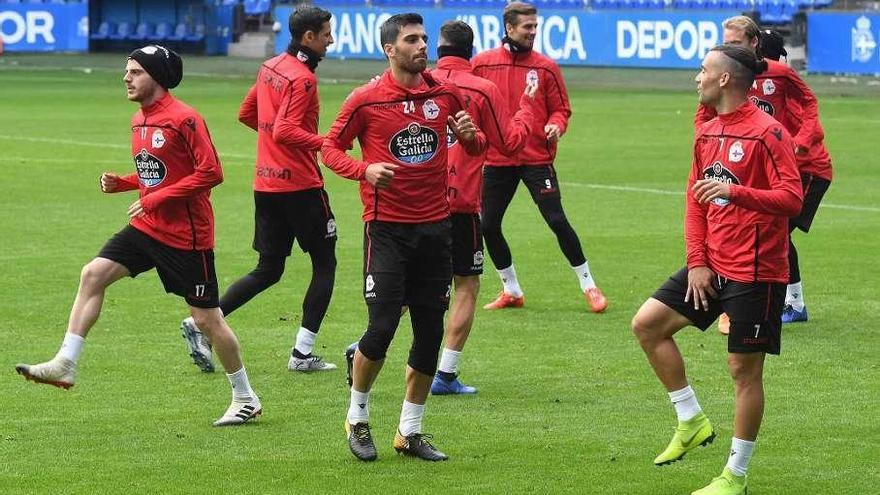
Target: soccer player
{"points": [[512, 66], [171, 228], [401, 123], [289, 198], [742, 188], [506, 133], [783, 94]]}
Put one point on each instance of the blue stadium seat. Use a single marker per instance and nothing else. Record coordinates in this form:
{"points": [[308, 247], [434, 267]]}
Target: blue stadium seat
{"points": [[123, 30], [162, 32], [772, 12], [820, 4], [743, 5], [59, 2], [728, 4], [13, 1], [198, 34], [603, 4], [180, 32], [142, 32], [104, 31], [712, 4], [34, 1], [257, 7], [405, 3]]}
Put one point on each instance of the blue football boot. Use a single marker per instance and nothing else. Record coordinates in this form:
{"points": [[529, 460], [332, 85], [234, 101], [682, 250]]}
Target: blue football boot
{"points": [[791, 315], [443, 386]]}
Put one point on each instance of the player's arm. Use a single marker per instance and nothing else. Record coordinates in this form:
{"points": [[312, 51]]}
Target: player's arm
{"points": [[704, 114], [207, 172], [507, 134], [785, 196], [113, 183], [700, 276], [247, 112], [469, 135], [288, 122], [558, 106], [810, 131]]}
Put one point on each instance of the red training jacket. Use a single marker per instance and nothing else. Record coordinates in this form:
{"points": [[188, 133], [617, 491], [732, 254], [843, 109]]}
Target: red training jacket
{"points": [[782, 93], [177, 166], [745, 237], [402, 126], [489, 112], [511, 72], [282, 106]]}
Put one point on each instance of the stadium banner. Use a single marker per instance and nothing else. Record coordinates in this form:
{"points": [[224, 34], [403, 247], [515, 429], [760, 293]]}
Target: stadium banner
{"points": [[44, 27], [840, 42], [607, 38]]}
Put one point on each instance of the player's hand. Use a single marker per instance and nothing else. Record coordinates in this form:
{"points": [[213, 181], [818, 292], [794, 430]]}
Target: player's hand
{"points": [[109, 182], [700, 288], [462, 126], [553, 132], [375, 78], [380, 174], [136, 210], [530, 91], [800, 150], [706, 190]]}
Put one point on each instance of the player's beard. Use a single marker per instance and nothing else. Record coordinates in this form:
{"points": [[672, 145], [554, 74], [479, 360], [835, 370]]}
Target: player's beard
{"points": [[415, 65]]}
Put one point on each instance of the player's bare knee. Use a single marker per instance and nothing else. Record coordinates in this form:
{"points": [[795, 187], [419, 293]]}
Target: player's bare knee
{"points": [[642, 329], [744, 369], [93, 276]]}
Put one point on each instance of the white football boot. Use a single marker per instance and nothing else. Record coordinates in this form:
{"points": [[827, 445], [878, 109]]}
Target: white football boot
{"points": [[199, 345], [308, 363], [60, 372], [240, 412]]}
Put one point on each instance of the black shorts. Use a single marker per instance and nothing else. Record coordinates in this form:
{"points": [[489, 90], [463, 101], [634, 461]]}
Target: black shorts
{"points": [[189, 274], [408, 264], [814, 189], [541, 181], [467, 245], [279, 218], [755, 311]]}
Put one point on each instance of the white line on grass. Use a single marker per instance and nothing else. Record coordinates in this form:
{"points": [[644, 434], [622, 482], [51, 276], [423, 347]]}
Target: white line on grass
{"points": [[77, 142], [567, 184], [680, 193]]}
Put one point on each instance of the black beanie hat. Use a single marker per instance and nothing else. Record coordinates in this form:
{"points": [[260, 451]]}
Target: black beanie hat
{"points": [[162, 64], [772, 44]]}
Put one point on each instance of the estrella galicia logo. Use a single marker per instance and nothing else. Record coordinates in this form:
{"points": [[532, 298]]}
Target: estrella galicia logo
{"points": [[150, 169], [414, 144], [718, 172], [764, 105], [451, 138]]}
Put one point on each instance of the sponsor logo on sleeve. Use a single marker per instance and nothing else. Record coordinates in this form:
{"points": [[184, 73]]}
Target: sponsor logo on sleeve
{"points": [[150, 169], [414, 144], [768, 86], [718, 172]]}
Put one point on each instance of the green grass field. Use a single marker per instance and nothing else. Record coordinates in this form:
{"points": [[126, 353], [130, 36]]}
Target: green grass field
{"points": [[567, 402]]}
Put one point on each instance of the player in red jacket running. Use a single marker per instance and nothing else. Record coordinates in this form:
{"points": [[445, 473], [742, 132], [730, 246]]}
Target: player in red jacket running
{"points": [[783, 94], [171, 229], [742, 188], [512, 66], [289, 197], [506, 133], [400, 120]]}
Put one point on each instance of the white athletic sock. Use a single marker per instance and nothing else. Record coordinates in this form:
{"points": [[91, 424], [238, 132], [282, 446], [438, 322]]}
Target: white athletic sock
{"points": [[411, 418], [794, 296], [740, 454], [511, 284], [685, 402], [584, 276], [71, 347], [241, 387], [449, 360], [305, 341], [359, 407]]}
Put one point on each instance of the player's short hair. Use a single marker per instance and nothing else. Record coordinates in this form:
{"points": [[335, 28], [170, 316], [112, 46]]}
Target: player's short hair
{"points": [[742, 64], [391, 27], [515, 9], [307, 18], [457, 34], [745, 24]]}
